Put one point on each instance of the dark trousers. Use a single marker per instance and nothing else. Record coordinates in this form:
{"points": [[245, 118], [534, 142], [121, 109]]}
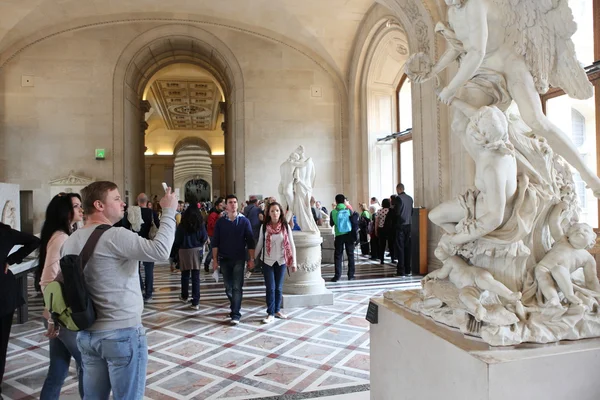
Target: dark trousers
{"points": [[5, 325], [374, 247], [147, 286], [385, 241], [185, 285], [274, 276], [233, 277], [342, 241], [364, 242], [402, 244]]}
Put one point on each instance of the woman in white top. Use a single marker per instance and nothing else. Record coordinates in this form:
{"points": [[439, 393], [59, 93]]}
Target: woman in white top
{"points": [[278, 254]]}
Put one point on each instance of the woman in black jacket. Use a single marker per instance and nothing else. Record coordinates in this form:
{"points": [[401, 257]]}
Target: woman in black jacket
{"points": [[9, 296], [190, 237]]}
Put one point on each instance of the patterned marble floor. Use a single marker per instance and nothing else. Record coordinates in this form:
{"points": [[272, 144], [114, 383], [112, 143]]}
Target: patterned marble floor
{"points": [[318, 352]]}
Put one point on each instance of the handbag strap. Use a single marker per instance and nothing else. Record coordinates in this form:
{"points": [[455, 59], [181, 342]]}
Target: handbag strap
{"points": [[264, 240], [91, 243]]}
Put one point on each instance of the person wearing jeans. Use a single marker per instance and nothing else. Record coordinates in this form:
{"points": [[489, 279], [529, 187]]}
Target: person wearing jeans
{"points": [[62, 348], [342, 239], [113, 349], [149, 217], [276, 243], [63, 211], [189, 244], [125, 352], [232, 239]]}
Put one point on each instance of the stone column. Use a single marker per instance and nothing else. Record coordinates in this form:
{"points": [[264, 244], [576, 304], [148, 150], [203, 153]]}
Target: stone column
{"points": [[306, 286]]}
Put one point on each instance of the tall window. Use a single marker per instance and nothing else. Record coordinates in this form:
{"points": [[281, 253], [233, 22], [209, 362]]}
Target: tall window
{"points": [[578, 117], [405, 143]]}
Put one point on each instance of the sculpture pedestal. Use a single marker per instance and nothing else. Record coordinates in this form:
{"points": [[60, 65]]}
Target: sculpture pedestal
{"points": [[328, 246], [306, 287], [412, 357]]}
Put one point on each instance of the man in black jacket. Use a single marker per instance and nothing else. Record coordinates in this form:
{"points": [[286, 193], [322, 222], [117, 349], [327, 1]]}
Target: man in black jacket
{"points": [[9, 292], [149, 217], [403, 213]]}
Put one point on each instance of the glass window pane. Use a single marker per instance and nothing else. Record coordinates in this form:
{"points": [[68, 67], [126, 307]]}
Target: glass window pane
{"points": [[405, 106], [583, 14], [577, 119], [406, 167]]}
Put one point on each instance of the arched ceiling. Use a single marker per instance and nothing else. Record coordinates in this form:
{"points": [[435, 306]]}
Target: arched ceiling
{"points": [[326, 27]]}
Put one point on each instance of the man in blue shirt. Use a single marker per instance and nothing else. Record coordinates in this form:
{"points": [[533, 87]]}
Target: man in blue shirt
{"points": [[232, 237]]}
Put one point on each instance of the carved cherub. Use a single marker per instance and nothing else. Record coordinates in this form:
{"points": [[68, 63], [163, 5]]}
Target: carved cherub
{"points": [[566, 256], [471, 281]]}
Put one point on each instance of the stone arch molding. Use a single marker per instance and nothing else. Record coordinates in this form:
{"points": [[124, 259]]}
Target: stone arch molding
{"points": [[416, 20], [191, 141], [167, 44]]}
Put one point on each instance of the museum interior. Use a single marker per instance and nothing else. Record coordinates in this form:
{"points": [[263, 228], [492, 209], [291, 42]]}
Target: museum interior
{"points": [[469, 124]]}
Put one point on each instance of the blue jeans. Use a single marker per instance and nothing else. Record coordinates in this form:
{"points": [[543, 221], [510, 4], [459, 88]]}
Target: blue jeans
{"points": [[209, 255], [116, 360], [185, 284], [274, 276], [62, 349], [149, 276], [233, 276]]}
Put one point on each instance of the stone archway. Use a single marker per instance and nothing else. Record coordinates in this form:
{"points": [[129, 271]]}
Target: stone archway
{"points": [[140, 60]]}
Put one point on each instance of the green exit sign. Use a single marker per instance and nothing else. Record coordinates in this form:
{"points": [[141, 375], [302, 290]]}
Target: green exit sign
{"points": [[100, 154]]}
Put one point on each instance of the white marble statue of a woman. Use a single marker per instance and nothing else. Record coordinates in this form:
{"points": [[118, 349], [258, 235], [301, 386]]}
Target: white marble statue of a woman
{"points": [[295, 188]]}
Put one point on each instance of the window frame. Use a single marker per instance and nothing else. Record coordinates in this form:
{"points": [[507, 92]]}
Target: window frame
{"points": [[403, 138], [594, 78]]}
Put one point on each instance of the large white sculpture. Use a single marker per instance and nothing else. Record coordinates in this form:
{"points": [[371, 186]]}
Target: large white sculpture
{"points": [[297, 181], [515, 264]]}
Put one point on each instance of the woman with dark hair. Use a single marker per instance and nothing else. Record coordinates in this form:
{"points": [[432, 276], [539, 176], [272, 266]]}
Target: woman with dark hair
{"points": [[190, 237], [9, 292], [62, 213], [278, 254]]}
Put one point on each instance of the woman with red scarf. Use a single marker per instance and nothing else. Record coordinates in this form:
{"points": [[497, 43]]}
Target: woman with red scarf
{"points": [[278, 254]]}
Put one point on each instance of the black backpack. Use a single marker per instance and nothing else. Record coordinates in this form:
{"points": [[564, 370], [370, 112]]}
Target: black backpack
{"points": [[69, 302]]}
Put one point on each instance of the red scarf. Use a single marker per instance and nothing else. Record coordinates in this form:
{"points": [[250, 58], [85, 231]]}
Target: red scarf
{"points": [[287, 247]]}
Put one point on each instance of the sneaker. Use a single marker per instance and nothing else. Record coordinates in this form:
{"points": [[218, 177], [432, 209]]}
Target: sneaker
{"points": [[334, 279], [235, 322], [195, 307], [269, 319], [280, 315], [147, 299], [184, 301]]}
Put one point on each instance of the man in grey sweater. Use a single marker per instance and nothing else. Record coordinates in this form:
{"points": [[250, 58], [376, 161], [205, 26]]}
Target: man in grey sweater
{"points": [[114, 349]]}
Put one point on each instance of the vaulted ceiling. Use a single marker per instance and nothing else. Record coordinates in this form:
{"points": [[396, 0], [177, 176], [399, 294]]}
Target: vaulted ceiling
{"points": [[326, 27]]}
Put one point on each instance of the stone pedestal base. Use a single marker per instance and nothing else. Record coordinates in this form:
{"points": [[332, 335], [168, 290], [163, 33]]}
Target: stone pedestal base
{"points": [[306, 287], [414, 358], [328, 246]]}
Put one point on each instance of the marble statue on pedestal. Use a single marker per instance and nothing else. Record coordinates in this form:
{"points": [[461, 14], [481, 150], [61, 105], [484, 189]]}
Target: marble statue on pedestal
{"points": [[515, 264], [306, 287], [295, 189]]}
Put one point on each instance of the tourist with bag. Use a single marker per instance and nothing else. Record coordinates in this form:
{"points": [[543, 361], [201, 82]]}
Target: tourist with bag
{"points": [[278, 255], [62, 212], [189, 245], [114, 348]]}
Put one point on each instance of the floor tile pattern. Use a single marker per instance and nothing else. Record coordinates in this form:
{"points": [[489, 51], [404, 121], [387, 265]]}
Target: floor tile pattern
{"points": [[195, 354]]}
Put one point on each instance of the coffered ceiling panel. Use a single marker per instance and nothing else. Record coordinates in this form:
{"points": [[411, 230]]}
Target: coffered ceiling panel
{"points": [[187, 104]]}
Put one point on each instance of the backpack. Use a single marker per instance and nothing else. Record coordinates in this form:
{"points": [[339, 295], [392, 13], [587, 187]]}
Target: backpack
{"points": [[69, 302], [344, 224]]}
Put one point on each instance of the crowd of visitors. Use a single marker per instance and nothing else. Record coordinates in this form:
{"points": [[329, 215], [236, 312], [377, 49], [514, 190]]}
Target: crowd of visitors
{"points": [[117, 248]]}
